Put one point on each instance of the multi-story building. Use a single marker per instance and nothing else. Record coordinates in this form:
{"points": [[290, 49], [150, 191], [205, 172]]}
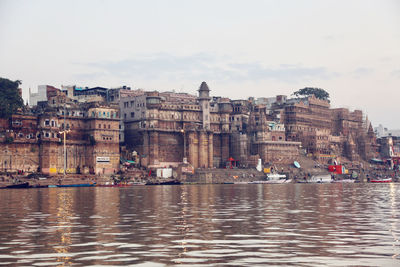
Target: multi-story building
{"points": [[44, 91], [168, 128], [165, 129], [35, 141]]}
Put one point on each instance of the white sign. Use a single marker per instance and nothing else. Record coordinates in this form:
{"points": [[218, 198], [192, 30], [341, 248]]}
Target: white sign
{"points": [[103, 159]]}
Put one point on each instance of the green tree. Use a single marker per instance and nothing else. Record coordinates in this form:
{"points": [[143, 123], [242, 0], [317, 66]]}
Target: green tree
{"points": [[10, 100], [317, 92]]}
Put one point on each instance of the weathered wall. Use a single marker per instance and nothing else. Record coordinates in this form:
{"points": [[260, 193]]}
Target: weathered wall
{"points": [[19, 156]]}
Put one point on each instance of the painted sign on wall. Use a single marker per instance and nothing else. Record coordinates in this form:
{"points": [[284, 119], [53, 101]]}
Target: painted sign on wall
{"points": [[103, 159]]}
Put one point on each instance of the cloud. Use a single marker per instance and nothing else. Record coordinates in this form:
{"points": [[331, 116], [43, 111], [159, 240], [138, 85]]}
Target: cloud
{"points": [[362, 71], [396, 73], [201, 66]]}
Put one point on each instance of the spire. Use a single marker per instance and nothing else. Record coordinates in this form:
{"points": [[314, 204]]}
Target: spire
{"points": [[204, 87], [204, 91]]}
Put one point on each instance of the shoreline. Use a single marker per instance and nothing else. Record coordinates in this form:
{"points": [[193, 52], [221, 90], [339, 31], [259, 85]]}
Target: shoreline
{"points": [[201, 176]]}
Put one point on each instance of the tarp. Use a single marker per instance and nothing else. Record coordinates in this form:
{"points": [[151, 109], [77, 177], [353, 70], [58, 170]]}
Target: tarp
{"points": [[337, 169], [126, 160]]}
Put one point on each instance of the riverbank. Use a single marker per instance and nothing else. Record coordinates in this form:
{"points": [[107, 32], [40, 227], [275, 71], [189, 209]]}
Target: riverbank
{"points": [[307, 169]]}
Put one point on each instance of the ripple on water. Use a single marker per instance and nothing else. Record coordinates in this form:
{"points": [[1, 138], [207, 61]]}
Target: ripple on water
{"points": [[207, 225]]}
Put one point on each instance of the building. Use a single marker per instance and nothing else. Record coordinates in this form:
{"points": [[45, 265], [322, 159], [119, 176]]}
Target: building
{"points": [[381, 131], [34, 141], [169, 128], [44, 91]]}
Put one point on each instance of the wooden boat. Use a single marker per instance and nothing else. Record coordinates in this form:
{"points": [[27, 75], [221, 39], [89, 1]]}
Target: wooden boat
{"points": [[73, 185], [318, 179], [38, 186], [170, 182], [381, 180], [137, 183], [344, 181], [275, 178], [21, 185], [258, 182], [113, 185]]}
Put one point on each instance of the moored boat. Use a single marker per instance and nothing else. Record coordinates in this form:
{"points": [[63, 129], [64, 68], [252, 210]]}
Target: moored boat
{"points": [[73, 185], [344, 181], [318, 179], [259, 182], [15, 186], [168, 182], [381, 180], [275, 178], [113, 185]]}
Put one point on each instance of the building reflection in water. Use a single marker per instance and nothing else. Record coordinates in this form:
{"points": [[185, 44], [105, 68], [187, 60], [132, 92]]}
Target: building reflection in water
{"points": [[394, 222], [207, 224], [64, 212]]}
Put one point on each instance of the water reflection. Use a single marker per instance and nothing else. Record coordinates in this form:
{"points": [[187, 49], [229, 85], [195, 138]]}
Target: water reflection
{"points": [[292, 224]]}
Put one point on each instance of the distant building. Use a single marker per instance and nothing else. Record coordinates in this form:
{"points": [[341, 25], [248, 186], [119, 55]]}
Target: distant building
{"points": [[44, 91], [381, 131]]}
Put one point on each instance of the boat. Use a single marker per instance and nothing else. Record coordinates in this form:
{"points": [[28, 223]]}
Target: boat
{"points": [[73, 185], [276, 178], [20, 185], [344, 181], [169, 182], [258, 182], [137, 183], [318, 179], [113, 185], [381, 180], [38, 186], [296, 164]]}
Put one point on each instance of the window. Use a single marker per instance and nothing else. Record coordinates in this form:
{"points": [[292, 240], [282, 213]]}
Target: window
{"points": [[132, 114], [46, 123]]}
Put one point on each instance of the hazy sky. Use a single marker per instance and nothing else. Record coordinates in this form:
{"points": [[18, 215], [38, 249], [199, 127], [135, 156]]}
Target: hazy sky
{"points": [[240, 48]]}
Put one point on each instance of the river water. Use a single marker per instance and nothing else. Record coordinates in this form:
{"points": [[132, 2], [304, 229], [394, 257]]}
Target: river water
{"points": [[202, 225]]}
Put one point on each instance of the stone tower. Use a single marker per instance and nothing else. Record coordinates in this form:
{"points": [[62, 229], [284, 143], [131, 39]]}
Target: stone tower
{"points": [[204, 101]]}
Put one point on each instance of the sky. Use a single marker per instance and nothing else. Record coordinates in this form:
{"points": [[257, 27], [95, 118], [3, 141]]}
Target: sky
{"points": [[351, 49]]}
